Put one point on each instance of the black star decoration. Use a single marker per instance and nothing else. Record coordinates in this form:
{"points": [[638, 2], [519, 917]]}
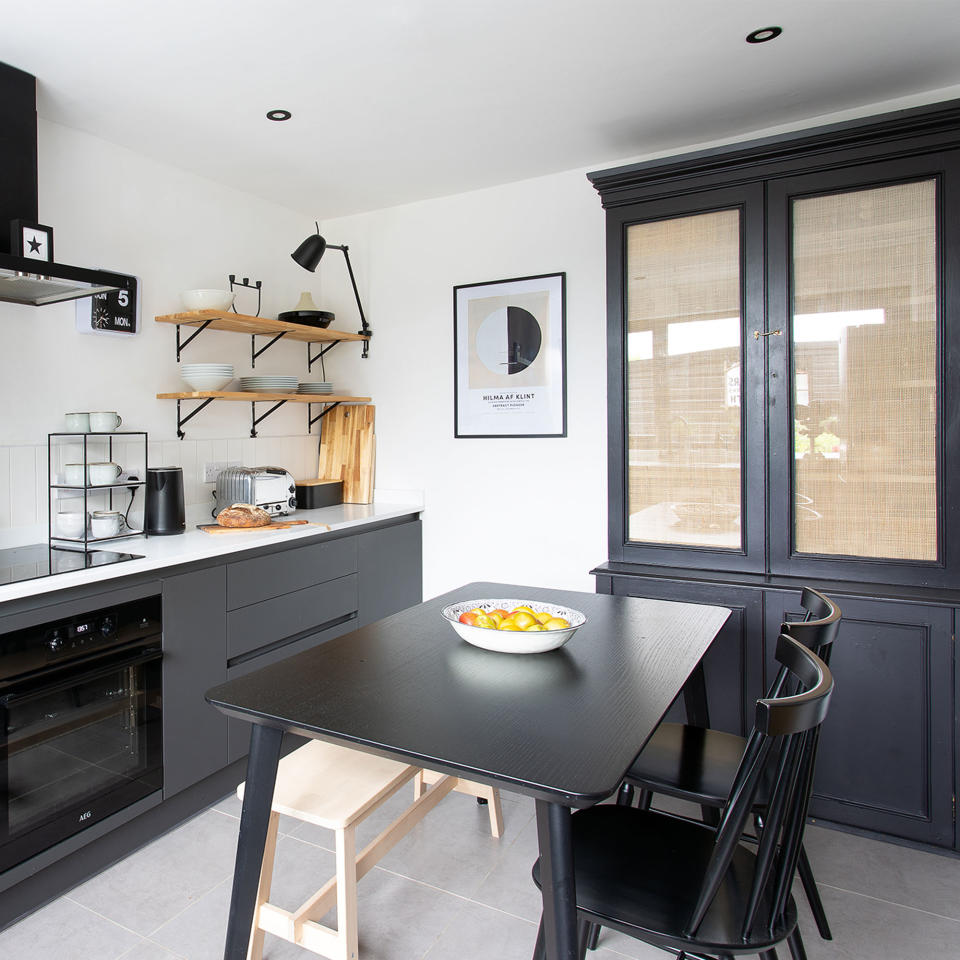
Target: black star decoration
{"points": [[34, 245]]}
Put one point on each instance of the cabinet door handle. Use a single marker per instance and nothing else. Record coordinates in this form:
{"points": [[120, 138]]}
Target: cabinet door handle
{"points": [[773, 333]]}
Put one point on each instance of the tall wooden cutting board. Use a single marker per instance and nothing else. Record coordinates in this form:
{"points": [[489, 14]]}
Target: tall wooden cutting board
{"points": [[348, 450]]}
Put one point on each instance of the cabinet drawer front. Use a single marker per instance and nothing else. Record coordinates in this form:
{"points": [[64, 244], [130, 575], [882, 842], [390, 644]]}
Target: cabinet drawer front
{"points": [[270, 621], [251, 581]]}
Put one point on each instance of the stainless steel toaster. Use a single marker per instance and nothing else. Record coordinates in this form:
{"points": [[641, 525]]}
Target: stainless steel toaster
{"points": [[271, 488]]}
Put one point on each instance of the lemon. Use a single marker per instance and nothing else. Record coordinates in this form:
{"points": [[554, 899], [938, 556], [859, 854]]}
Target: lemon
{"points": [[556, 623]]}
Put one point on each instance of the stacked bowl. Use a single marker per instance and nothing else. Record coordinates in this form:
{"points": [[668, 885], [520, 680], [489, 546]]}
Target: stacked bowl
{"points": [[206, 376], [268, 384], [315, 388]]}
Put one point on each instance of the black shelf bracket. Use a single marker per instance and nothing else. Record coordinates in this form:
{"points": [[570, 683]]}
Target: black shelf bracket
{"points": [[311, 419], [183, 420], [196, 333], [323, 352], [254, 352], [254, 419]]}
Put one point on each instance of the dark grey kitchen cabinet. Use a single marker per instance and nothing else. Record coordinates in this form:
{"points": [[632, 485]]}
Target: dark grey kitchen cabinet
{"points": [[194, 658], [783, 402], [886, 750], [388, 581]]}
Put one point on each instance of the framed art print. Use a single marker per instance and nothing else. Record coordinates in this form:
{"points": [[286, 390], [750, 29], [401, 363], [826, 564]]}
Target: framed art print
{"points": [[31, 240], [510, 358]]}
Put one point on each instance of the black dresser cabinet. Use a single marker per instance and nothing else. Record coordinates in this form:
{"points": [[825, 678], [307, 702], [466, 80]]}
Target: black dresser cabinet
{"points": [[784, 410]]}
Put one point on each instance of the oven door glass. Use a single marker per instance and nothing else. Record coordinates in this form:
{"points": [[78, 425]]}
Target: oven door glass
{"points": [[78, 744]]}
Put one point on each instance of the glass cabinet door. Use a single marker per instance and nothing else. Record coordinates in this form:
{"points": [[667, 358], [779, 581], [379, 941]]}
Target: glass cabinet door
{"points": [[859, 481], [687, 428]]}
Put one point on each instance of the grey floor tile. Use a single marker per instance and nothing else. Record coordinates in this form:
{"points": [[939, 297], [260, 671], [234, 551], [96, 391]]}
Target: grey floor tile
{"points": [[509, 885], [148, 950], [885, 870], [162, 879], [199, 931], [63, 930], [865, 928], [478, 932]]}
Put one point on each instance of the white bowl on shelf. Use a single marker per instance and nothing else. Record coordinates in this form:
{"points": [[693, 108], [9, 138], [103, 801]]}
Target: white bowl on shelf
{"points": [[207, 299], [514, 641], [202, 382]]}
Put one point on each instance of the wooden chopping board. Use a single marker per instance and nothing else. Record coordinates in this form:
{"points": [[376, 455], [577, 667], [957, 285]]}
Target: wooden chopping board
{"points": [[275, 525], [348, 450]]}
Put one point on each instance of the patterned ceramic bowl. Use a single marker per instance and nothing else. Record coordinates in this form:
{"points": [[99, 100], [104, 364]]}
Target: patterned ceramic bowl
{"points": [[514, 641]]}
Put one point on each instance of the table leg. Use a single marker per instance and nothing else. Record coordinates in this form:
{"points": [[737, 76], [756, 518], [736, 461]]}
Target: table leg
{"points": [[254, 819], [558, 887]]}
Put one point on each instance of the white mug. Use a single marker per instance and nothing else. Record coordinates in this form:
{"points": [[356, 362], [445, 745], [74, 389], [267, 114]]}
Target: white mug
{"points": [[72, 524], [74, 474], [106, 523], [78, 422], [104, 472], [105, 421]]}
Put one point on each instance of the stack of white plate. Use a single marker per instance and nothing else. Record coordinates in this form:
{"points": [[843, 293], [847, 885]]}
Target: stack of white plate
{"points": [[268, 384], [206, 376], [321, 387]]}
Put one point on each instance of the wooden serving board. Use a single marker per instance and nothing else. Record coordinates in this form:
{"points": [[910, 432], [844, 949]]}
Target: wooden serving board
{"points": [[275, 525], [348, 450]]}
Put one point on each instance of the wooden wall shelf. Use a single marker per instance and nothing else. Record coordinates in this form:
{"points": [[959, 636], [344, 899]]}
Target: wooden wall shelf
{"points": [[240, 323], [253, 397]]}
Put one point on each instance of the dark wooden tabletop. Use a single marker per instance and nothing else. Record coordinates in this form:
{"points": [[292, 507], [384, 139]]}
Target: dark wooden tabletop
{"points": [[562, 726]]}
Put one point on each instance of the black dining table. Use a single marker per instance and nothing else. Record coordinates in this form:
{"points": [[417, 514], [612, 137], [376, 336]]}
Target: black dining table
{"points": [[562, 727]]}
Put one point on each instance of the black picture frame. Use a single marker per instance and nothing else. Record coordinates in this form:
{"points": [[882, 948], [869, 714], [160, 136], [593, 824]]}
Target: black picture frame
{"points": [[34, 241], [510, 358]]}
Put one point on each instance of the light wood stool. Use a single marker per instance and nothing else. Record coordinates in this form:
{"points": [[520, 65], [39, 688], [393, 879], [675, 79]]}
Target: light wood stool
{"points": [[337, 787]]}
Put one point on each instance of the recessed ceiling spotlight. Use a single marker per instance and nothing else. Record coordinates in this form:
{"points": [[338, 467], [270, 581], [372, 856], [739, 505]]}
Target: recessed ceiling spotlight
{"points": [[279, 115], [764, 34]]}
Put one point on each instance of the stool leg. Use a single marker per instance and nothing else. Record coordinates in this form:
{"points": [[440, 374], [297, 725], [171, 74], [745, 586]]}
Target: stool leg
{"points": [[347, 891], [496, 813], [418, 785], [255, 951]]}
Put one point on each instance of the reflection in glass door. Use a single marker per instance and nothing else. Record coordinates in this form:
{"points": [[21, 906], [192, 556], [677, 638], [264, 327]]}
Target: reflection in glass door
{"points": [[864, 338], [683, 381]]}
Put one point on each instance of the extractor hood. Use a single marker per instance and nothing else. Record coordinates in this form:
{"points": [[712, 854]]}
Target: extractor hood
{"points": [[24, 279]]}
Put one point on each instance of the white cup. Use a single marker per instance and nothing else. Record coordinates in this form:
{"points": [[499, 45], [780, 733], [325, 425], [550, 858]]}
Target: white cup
{"points": [[74, 474], [105, 421], [78, 422], [104, 472], [72, 524], [106, 523]]}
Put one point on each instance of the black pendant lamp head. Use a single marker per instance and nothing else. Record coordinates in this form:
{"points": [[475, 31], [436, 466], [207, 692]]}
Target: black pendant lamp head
{"points": [[309, 252]]}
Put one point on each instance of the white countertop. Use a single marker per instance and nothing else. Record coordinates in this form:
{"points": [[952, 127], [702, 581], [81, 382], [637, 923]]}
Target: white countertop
{"points": [[193, 545]]}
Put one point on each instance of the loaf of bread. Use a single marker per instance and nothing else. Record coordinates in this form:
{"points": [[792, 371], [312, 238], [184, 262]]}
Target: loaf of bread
{"points": [[243, 515]]}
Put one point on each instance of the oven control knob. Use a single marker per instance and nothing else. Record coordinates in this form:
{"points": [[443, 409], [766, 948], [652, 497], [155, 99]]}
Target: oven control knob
{"points": [[108, 626], [55, 641], [292, 502]]}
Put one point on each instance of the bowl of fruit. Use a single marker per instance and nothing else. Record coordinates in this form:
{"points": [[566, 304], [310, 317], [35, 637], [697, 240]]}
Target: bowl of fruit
{"points": [[513, 626]]}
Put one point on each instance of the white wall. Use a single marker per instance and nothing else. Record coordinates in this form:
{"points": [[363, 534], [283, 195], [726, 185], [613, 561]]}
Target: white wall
{"points": [[528, 511], [115, 209]]}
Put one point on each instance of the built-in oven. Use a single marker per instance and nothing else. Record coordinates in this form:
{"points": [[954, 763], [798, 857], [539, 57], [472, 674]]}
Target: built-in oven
{"points": [[80, 724]]}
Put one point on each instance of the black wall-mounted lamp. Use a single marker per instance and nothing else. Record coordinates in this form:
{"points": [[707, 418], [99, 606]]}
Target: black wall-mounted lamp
{"points": [[308, 255]]}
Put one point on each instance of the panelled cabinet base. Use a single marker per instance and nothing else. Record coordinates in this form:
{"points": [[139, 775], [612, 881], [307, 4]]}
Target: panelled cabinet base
{"points": [[886, 760]]}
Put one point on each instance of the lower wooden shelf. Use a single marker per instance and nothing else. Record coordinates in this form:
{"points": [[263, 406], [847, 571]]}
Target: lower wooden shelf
{"points": [[329, 402]]}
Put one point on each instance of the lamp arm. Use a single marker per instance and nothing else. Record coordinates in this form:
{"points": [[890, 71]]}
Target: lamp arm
{"points": [[366, 331]]}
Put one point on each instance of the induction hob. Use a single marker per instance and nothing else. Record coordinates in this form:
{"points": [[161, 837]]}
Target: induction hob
{"points": [[42, 560]]}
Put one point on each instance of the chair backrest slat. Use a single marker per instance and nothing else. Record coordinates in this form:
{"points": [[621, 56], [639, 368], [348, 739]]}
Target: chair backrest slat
{"points": [[782, 740]]}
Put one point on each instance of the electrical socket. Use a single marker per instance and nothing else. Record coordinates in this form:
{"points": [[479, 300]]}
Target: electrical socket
{"points": [[213, 468]]}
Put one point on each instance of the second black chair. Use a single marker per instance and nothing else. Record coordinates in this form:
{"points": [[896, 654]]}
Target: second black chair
{"points": [[699, 765]]}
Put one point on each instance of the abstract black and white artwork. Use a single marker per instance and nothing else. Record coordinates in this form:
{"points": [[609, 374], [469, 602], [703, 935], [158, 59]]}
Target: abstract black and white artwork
{"points": [[510, 358]]}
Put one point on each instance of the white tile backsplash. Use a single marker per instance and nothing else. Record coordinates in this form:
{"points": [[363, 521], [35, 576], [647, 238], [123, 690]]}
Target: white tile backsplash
{"points": [[23, 469]]}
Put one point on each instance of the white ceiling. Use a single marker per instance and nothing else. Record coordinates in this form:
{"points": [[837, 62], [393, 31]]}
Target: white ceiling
{"points": [[400, 100]]}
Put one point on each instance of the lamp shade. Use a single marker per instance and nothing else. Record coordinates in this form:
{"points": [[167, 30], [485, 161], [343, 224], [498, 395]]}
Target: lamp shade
{"points": [[309, 252]]}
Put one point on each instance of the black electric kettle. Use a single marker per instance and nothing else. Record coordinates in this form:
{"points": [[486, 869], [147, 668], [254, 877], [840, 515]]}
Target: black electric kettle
{"points": [[164, 512]]}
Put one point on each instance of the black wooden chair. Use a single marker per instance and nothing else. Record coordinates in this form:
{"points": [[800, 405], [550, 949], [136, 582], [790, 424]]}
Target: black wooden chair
{"points": [[699, 765], [694, 889]]}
